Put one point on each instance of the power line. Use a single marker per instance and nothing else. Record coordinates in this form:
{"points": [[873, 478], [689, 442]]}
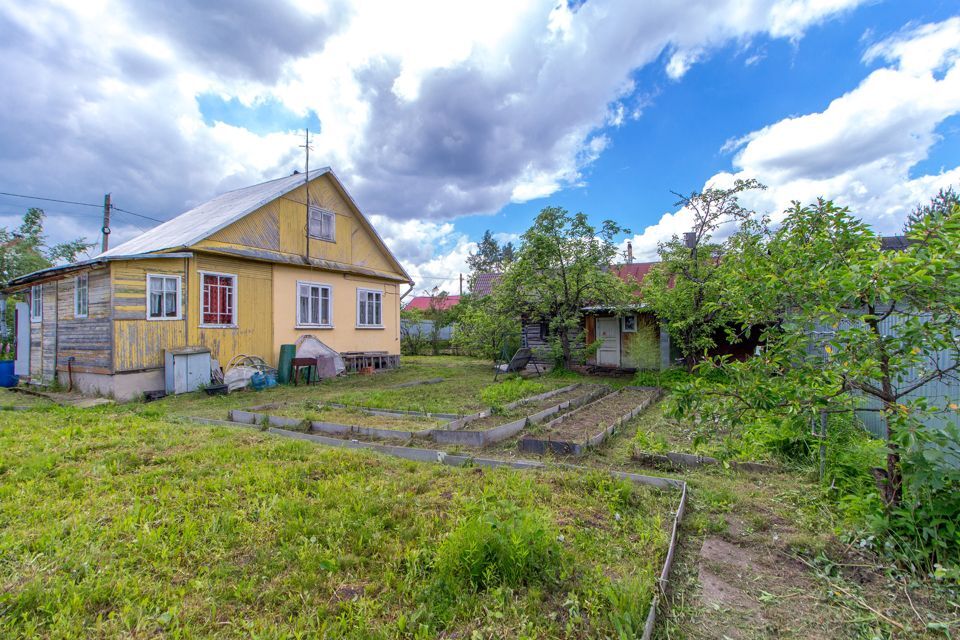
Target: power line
{"points": [[20, 195], [140, 215], [82, 204]]}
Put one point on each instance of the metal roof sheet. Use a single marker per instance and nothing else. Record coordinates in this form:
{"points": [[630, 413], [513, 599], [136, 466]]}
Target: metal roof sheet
{"points": [[200, 222]]}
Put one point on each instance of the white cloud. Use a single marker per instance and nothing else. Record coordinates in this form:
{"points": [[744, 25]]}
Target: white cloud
{"points": [[429, 111], [860, 150]]}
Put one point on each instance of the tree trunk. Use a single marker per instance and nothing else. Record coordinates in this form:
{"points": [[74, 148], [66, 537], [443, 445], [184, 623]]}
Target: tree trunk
{"points": [[893, 483], [565, 346]]}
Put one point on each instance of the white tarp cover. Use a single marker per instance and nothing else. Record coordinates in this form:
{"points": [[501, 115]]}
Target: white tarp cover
{"points": [[238, 377], [310, 347]]}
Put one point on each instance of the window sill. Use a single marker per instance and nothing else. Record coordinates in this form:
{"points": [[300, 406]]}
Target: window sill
{"points": [[164, 319], [370, 326], [330, 240], [313, 326], [218, 326]]}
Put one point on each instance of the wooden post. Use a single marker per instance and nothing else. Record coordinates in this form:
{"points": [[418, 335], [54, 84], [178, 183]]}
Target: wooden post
{"points": [[106, 223]]}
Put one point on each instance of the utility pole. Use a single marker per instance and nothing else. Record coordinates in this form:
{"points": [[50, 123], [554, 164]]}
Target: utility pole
{"points": [[461, 284], [306, 147], [106, 223]]}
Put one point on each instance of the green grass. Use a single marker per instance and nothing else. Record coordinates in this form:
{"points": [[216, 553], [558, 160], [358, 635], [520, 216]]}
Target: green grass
{"points": [[10, 399], [465, 380], [115, 522]]}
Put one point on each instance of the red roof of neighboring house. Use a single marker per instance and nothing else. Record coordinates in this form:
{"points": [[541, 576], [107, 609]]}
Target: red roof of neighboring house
{"points": [[633, 273], [423, 303]]}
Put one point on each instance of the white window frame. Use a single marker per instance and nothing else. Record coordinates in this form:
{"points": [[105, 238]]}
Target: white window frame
{"points": [[364, 293], [316, 325], [235, 298], [626, 329], [36, 303], [320, 212], [81, 278], [179, 279]]}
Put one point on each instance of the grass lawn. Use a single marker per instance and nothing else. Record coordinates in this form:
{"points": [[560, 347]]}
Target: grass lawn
{"points": [[11, 399], [461, 392], [116, 522], [355, 417]]}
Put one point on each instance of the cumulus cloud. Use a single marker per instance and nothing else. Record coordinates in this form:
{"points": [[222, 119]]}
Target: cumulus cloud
{"points": [[860, 150], [506, 102]]}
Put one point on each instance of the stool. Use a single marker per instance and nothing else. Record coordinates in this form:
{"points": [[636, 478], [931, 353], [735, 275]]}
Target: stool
{"points": [[303, 363]]}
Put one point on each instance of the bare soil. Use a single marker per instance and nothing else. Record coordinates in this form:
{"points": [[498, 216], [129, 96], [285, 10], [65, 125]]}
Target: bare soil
{"points": [[593, 418], [530, 408]]}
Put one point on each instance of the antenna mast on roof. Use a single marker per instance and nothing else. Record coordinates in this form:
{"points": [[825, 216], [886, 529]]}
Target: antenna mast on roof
{"points": [[306, 179]]}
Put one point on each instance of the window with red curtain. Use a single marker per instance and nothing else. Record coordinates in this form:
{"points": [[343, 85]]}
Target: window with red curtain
{"points": [[218, 299]]}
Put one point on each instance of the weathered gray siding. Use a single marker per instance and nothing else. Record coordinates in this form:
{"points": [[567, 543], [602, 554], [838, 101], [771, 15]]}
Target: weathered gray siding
{"points": [[87, 340]]}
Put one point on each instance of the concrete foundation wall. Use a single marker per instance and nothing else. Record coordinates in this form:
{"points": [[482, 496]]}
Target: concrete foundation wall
{"points": [[121, 386]]}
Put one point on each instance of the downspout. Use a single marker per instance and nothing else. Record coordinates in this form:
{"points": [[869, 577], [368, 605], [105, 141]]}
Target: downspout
{"points": [[412, 284]]}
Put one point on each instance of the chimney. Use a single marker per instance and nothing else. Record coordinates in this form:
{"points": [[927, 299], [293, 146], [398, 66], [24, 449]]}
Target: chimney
{"points": [[629, 252], [689, 239]]}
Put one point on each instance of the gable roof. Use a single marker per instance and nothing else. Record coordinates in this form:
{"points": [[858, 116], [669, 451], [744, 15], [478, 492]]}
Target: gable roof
{"points": [[204, 220], [423, 303], [213, 215]]}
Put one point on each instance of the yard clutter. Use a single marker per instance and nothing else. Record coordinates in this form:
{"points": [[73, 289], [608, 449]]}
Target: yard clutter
{"points": [[244, 370]]}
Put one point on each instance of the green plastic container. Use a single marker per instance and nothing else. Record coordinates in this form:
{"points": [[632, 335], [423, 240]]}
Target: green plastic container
{"points": [[287, 352]]}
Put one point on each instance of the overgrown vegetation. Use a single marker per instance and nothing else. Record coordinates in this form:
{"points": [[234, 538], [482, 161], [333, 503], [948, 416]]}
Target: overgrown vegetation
{"points": [[512, 389], [562, 266], [843, 322]]}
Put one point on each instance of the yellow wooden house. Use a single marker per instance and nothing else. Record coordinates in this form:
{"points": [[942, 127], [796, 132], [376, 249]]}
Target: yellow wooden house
{"points": [[244, 273]]}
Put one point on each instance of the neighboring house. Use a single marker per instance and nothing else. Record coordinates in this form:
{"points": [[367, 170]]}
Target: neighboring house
{"points": [[634, 339], [237, 275]]}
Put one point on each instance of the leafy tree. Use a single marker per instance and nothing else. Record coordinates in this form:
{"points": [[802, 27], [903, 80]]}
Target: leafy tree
{"points": [[485, 326], [940, 205], [562, 266], [413, 340], [490, 257], [845, 320], [440, 316], [25, 249], [684, 289]]}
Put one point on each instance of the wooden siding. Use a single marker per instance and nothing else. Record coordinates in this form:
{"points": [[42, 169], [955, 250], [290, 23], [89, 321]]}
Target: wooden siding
{"points": [[280, 226], [48, 346], [140, 343], [87, 340], [253, 334]]}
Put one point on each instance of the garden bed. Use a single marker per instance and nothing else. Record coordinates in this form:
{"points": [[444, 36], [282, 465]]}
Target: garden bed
{"points": [[590, 425], [340, 422]]}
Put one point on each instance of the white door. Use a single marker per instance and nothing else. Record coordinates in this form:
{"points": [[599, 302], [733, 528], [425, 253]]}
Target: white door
{"points": [[21, 366], [608, 333]]}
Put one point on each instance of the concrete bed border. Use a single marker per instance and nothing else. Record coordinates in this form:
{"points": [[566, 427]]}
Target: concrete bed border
{"points": [[486, 437], [576, 449], [449, 435], [442, 457]]}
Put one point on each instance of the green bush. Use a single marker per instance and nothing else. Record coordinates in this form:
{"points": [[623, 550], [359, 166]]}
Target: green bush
{"points": [[502, 545], [511, 389]]}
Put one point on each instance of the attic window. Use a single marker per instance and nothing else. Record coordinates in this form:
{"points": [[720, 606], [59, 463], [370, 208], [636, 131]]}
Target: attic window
{"points": [[323, 224]]}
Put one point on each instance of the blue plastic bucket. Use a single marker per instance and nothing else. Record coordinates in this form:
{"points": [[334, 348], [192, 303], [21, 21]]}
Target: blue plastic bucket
{"points": [[7, 377]]}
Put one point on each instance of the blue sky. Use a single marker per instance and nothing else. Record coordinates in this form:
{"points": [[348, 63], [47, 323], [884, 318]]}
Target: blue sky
{"points": [[445, 119], [676, 145]]}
